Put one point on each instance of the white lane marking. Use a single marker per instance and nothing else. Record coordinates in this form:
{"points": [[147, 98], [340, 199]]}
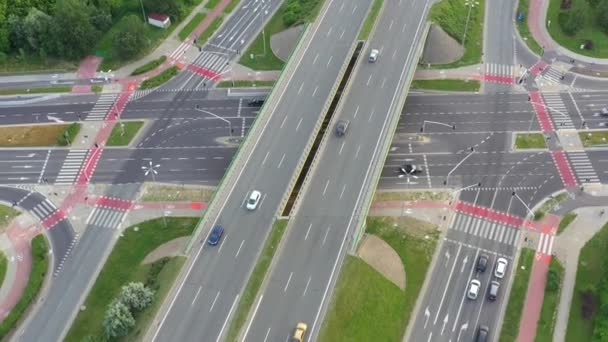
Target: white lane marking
{"points": [[288, 281], [383, 82], [390, 26], [219, 336], [341, 147], [356, 111], [315, 91], [298, 126], [196, 296], [281, 162], [306, 288], [283, 122], [315, 60], [267, 333], [239, 250], [445, 290], [265, 157], [342, 34], [372, 115], [325, 189], [300, 89], [329, 61], [215, 300], [369, 79], [342, 193], [357, 153], [464, 294], [329, 31], [307, 232], [255, 311], [325, 237]]}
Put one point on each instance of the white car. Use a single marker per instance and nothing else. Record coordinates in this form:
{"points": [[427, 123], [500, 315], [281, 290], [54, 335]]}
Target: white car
{"points": [[474, 287], [501, 268], [373, 55], [254, 199]]}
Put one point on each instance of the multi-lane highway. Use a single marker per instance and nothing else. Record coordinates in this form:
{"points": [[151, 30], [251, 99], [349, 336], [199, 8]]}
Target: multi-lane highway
{"points": [[212, 282], [321, 229]]}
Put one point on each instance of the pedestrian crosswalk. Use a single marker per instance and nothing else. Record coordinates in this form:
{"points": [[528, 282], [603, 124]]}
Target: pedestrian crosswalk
{"points": [[43, 209], [180, 51], [583, 169], [214, 62], [558, 111], [550, 76], [138, 94], [71, 166], [496, 231], [106, 218], [545, 244], [499, 69], [102, 107]]}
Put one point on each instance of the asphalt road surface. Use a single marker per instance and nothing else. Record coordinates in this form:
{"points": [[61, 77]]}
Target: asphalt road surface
{"points": [[299, 285], [210, 291]]}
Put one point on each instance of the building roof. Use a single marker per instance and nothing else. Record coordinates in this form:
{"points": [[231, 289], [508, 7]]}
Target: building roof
{"points": [[158, 16]]}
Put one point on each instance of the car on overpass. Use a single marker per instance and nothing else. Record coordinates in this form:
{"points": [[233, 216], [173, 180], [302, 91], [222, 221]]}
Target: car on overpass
{"points": [[216, 235], [342, 127], [254, 199], [373, 55], [299, 333]]}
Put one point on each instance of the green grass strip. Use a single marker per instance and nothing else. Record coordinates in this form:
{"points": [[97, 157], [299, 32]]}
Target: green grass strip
{"points": [[565, 222], [245, 84], [67, 137], [524, 30], [256, 279], [41, 90], [510, 324], [370, 20], [34, 283], [192, 24], [549, 205], [123, 132], [548, 312], [159, 79], [530, 140], [3, 267], [151, 65], [231, 6], [97, 88], [264, 58], [595, 138], [7, 214], [210, 30], [210, 4], [124, 265], [447, 85]]}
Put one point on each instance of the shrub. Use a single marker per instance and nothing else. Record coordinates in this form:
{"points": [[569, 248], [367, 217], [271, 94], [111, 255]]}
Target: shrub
{"points": [[118, 320], [136, 296]]}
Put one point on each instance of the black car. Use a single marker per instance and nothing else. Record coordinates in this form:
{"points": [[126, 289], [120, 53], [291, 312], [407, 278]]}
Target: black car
{"points": [[482, 333], [482, 263], [341, 127], [410, 169], [256, 102], [216, 235]]}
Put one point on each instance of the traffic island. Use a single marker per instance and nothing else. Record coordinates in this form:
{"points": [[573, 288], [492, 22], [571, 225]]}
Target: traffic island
{"points": [[529, 141], [447, 85], [594, 138], [38, 135], [123, 133]]}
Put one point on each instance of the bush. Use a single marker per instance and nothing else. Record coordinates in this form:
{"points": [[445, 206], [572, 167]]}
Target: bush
{"points": [[160, 78], [130, 38], [136, 296], [149, 66], [155, 269], [67, 137], [118, 320], [553, 280]]}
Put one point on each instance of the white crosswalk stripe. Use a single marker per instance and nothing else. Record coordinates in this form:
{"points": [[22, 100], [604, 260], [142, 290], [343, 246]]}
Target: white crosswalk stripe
{"points": [[138, 94], [212, 61], [43, 209], [102, 107], [545, 244], [71, 166], [550, 76], [106, 218], [485, 229], [179, 52], [558, 111], [499, 69], [583, 168]]}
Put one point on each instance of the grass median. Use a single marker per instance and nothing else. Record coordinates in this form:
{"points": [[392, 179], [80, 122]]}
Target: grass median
{"points": [[565, 222], [524, 30], [40, 264], [38, 135], [3, 267], [245, 84], [517, 297], [447, 85], [192, 24], [530, 140], [123, 132], [151, 65], [159, 79], [451, 15], [231, 6], [256, 279], [124, 265], [41, 90], [368, 307], [595, 138], [370, 20], [548, 311], [210, 30]]}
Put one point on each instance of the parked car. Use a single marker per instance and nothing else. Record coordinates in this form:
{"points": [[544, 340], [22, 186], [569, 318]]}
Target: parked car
{"points": [[493, 291]]}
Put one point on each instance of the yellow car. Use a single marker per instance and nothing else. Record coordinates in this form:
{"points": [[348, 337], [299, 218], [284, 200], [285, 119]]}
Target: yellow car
{"points": [[298, 334]]}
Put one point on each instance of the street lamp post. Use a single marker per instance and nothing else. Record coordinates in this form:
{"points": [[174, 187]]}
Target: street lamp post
{"points": [[447, 179], [198, 109], [151, 169], [452, 126], [470, 4], [514, 194]]}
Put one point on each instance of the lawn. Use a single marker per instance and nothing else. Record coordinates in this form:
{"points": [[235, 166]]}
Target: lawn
{"points": [[256, 278], [123, 132], [96, 88], [69, 134], [548, 206], [529, 140], [447, 85], [366, 306], [524, 30], [3, 267], [370, 20], [41, 90], [591, 273], [157, 193], [411, 196], [37, 135], [35, 64], [451, 16], [367, 309], [151, 65], [192, 24], [548, 312], [7, 214], [210, 30], [231, 6], [510, 324], [34, 283], [565, 222], [594, 138], [124, 265], [210, 4], [590, 31], [245, 84], [159, 79]]}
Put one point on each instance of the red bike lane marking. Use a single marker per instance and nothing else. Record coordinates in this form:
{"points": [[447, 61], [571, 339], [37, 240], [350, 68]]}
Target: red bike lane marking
{"points": [[542, 115], [538, 67], [208, 73], [498, 79], [564, 169], [114, 203], [489, 214]]}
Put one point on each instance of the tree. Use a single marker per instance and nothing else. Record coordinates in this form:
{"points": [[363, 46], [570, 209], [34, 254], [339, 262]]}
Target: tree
{"points": [[102, 21], [136, 296], [130, 38], [553, 280], [118, 320], [292, 14], [4, 31], [73, 35], [16, 31], [36, 27], [602, 15], [572, 20]]}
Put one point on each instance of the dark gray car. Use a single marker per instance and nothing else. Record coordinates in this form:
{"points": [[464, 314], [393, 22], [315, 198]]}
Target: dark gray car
{"points": [[341, 127]]}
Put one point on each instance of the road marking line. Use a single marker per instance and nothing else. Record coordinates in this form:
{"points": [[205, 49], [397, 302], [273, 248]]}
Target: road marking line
{"points": [[307, 231], [239, 250], [219, 336], [306, 288], [325, 189], [341, 147], [315, 91], [196, 296], [288, 281], [255, 311], [281, 162], [213, 304], [325, 237], [342, 193], [445, 290], [298, 126], [264, 161]]}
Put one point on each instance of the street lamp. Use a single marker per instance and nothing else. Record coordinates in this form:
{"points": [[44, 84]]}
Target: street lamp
{"points": [[447, 179], [452, 126], [151, 169], [514, 194], [198, 109], [470, 4]]}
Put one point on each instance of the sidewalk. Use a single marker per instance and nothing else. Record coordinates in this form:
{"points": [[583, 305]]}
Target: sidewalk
{"points": [[467, 72]]}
